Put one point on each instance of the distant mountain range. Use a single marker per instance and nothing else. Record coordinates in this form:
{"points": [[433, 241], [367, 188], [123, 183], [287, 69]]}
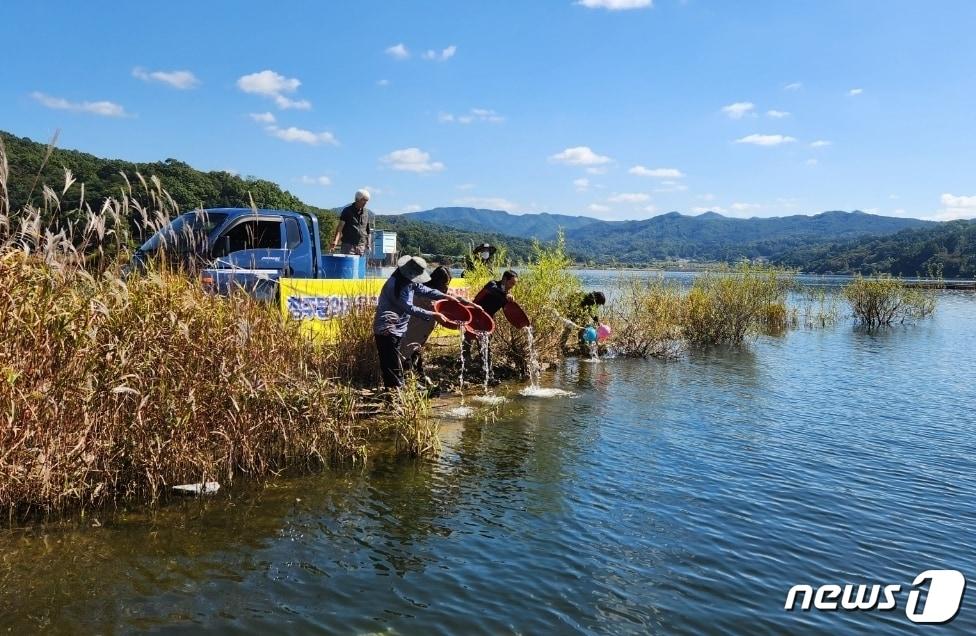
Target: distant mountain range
{"points": [[539, 226], [709, 236], [828, 242]]}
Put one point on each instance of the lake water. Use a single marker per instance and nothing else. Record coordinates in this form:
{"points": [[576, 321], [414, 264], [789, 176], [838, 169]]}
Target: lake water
{"points": [[666, 497]]}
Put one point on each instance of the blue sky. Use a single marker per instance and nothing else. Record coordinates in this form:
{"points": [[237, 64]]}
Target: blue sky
{"points": [[608, 108]]}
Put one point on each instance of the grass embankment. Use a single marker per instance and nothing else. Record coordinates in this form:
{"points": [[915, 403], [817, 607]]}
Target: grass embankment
{"points": [[113, 389]]}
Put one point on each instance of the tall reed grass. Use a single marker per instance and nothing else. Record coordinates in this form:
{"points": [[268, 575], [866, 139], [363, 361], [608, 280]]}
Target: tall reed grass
{"points": [[113, 388]]}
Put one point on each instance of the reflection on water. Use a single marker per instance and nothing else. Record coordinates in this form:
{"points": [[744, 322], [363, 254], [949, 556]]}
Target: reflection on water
{"points": [[683, 496]]}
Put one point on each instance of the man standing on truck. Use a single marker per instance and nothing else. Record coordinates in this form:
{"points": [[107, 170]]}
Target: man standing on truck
{"points": [[353, 228]]}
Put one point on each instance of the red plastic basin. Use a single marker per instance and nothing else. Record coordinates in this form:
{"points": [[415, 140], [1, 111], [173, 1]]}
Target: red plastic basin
{"points": [[456, 313], [480, 321], [516, 315]]}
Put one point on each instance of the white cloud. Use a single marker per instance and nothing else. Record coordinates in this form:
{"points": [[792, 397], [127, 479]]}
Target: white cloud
{"points": [[440, 56], [582, 184], [596, 207], [300, 135], [706, 197], [957, 207], [821, 143], [671, 186], [795, 86], [765, 140], [738, 110], [474, 115], [616, 5], [398, 52], [855, 91], [630, 197], [267, 83], [319, 181], [383, 82], [493, 203], [745, 207], [812, 162], [650, 209], [270, 84], [412, 160], [177, 79], [777, 114], [263, 118], [657, 173], [595, 170], [103, 108], [579, 156], [714, 208], [413, 207], [285, 103], [465, 186]]}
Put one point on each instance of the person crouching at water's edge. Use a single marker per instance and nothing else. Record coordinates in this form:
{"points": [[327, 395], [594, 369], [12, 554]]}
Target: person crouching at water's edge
{"points": [[584, 308], [353, 228], [394, 309], [493, 297]]}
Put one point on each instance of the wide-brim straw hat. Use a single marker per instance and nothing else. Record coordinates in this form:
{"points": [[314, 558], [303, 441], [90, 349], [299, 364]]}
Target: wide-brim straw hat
{"points": [[413, 268]]}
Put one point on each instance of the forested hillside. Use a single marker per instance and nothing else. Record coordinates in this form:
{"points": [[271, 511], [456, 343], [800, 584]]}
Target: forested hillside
{"points": [[947, 249]]}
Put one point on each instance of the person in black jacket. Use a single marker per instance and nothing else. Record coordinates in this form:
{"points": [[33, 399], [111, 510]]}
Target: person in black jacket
{"points": [[492, 297], [496, 293]]}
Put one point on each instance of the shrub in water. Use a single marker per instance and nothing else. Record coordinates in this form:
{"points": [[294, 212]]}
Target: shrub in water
{"points": [[881, 300]]}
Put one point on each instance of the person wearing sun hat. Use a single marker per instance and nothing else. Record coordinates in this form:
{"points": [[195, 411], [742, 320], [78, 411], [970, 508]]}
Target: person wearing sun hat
{"points": [[393, 311]]}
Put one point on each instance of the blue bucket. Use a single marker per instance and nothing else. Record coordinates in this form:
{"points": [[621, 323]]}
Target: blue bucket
{"points": [[343, 266]]}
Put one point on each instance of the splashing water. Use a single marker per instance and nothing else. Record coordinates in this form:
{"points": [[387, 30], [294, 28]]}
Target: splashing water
{"points": [[485, 344], [459, 412], [594, 352], [541, 392], [461, 376], [534, 366], [491, 400]]}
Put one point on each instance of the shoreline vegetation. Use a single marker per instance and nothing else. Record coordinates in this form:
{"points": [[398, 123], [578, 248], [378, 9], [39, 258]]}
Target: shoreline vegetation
{"points": [[113, 389]]}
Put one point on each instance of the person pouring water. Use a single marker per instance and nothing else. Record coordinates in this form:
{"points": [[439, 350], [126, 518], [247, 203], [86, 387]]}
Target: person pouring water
{"points": [[394, 309], [353, 229]]}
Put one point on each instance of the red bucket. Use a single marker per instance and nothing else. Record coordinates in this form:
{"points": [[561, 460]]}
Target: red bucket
{"points": [[515, 315], [480, 321], [456, 313]]}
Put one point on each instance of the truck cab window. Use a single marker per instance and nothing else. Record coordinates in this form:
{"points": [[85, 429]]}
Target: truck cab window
{"points": [[292, 234], [250, 235]]}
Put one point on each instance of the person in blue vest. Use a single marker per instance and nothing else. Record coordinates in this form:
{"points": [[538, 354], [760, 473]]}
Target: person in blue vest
{"points": [[394, 309]]}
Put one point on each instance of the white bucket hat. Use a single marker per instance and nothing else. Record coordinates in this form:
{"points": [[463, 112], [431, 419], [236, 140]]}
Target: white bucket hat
{"points": [[413, 268]]}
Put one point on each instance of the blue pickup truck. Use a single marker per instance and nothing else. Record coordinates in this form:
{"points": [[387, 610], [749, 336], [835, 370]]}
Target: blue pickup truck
{"points": [[248, 248]]}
